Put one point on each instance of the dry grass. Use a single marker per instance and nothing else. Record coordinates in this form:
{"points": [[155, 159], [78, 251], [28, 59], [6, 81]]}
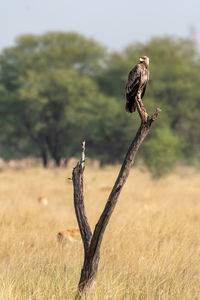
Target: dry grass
{"points": [[151, 248]]}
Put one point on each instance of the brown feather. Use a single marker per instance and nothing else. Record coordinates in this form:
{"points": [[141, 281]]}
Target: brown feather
{"points": [[136, 84]]}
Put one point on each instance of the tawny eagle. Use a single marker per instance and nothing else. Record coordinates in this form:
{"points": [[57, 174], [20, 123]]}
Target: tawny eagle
{"points": [[137, 82]]}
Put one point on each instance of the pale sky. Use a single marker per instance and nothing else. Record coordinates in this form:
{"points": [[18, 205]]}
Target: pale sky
{"points": [[114, 23]]}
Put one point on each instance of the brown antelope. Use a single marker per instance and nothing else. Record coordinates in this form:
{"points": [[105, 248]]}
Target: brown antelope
{"points": [[68, 235], [43, 200], [106, 188]]}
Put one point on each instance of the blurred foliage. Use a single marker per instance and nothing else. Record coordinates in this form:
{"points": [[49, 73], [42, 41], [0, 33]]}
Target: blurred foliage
{"points": [[161, 152], [59, 88]]}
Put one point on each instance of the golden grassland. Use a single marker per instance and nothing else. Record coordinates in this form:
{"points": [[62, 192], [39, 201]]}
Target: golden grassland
{"points": [[150, 250]]}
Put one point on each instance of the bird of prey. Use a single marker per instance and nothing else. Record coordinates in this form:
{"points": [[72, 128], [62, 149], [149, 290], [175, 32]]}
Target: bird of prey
{"points": [[137, 82]]}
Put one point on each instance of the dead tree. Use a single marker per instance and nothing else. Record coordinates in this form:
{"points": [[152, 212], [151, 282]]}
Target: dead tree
{"points": [[92, 241]]}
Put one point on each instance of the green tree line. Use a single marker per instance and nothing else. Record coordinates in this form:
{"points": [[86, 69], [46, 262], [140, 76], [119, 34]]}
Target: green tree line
{"points": [[60, 88]]}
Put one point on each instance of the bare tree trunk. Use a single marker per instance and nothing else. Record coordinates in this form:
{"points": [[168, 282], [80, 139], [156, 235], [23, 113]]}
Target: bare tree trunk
{"points": [[92, 242], [44, 158]]}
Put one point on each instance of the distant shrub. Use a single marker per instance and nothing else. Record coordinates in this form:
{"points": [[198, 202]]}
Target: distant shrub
{"points": [[162, 151]]}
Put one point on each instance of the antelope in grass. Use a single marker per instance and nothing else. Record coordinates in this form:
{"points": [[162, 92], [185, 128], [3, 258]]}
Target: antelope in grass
{"points": [[68, 235], [43, 200]]}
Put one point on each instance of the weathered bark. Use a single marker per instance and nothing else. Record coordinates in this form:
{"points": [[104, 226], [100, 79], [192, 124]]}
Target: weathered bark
{"points": [[92, 242], [85, 230]]}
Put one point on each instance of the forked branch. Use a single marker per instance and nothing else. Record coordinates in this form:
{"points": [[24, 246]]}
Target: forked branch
{"points": [[77, 177], [92, 242]]}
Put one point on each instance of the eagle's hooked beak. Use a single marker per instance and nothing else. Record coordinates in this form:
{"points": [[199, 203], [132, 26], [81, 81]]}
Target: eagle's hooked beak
{"points": [[141, 59]]}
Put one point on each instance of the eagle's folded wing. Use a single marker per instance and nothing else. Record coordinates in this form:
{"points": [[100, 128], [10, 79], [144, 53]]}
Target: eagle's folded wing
{"points": [[133, 80]]}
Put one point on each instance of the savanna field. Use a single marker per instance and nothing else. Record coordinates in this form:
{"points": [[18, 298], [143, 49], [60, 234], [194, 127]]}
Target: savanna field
{"points": [[150, 250]]}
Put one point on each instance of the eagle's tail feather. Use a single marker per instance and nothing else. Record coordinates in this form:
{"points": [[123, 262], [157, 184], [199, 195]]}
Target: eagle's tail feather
{"points": [[130, 106]]}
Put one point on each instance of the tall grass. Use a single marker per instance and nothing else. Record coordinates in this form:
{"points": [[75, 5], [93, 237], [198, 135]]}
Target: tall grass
{"points": [[150, 250]]}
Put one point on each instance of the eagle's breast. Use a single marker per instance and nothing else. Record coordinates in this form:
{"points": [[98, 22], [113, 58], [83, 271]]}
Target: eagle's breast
{"points": [[144, 77]]}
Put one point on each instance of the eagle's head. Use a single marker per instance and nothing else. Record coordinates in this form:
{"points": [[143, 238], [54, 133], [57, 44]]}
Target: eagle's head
{"points": [[144, 59]]}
